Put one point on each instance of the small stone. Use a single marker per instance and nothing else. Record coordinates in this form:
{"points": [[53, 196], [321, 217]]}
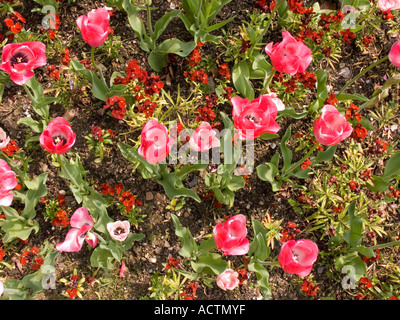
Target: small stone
{"points": [[153, 260], [149, 196]]}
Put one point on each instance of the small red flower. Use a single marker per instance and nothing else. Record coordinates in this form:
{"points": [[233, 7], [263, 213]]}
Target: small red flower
{"points": [[306, 164], [117, 106]]}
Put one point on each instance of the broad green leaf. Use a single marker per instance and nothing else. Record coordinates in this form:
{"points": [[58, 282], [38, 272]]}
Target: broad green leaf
{"points": [[262, 275], [354, 236], [146, 169], [287, 154], [188, 245], [210, 263], [353, 263], [176, 46], [163, 22], [241, 79]]}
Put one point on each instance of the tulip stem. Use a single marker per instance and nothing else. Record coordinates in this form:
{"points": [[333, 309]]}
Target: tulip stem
{"points": [[361, 74], [268, 81], [70, 178], [298, 163], [269, 263], [97, 67], [384, 245], [149, 26]]}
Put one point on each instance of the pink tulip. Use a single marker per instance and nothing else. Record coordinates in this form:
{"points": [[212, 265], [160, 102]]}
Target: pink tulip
{"points": [[119, 230], [386, 5], [298, 257], [230, 237], [19, 59], [4, 139], [394, 54], [331, 127], [94, 27], [155, 144], [81, 223], [289, 56], [204, 138], [228, 280], [58, 136], [122, 270], [254, 118], [8, 182]]}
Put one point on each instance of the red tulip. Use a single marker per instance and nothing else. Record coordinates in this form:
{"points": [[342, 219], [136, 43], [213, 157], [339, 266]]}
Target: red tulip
{"points": [[81, 223], [204, 138], [8, 182], [228, 280], [254, 118], [394, 54], [298, 257], [94, 27], [289, 56], [19, 59], [156, 143], [58, 137], [230, 237], [331, 127]]}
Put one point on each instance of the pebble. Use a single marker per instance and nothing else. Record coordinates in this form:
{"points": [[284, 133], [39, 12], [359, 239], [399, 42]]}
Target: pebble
{"points": [[149, 196], [153, 260], [393, 127]]}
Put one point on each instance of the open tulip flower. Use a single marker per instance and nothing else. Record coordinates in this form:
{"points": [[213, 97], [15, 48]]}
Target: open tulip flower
{"points": [[230, 237], [4, 139], [228, 280], [331, 127], [394, 54], [289, 55], [119, 230], [387, 5], [95, 26], [8, 182], [298, 257], [254, 118], [81, 223], [204, 138], [20, 59], [58, 137], [155, 142]]}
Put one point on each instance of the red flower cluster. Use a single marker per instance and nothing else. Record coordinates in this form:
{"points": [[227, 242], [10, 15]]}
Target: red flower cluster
{"points": [[55, 24], [32, 258], [352, 113], [309, 287], [365, 283], [378, 148], [2, 253], [189, 291], [87, 63], [366, 175], [11, 148], [372, 259], [354, 186], [224, 71], [61, 218], [359, 132], [264, 5], [306, 164], [308, 33], [14, 23], [172, 263], [53, 72], [196, 76], [195, 57], [348, 36], [289, 232], [145, 86], [242, 275], [97, 133], [65, 58], [367, 40], [326, 20], [206, 113], [126, 198], [308, 79], [73, 290], [117, 106], [246, 44], [387, 15], [331, 99]]}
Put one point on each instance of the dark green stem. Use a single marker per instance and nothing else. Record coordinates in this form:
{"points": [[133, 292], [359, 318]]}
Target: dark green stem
{"points": [[294, 166], [361, 74], [384, 245]]}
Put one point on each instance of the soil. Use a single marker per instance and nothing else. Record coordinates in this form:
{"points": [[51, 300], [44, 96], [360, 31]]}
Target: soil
{"points": [[149, 256]]}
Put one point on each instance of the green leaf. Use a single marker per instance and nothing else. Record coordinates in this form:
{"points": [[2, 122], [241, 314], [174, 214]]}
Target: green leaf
{"points": [[156, 61], [236, 183], [287, 154], [97, 206], [354, 236], [262, 275], [176, 46], [33, 124], [352, 262], [326, 155], [322, 91], [99, 88], [189, 246], [241, 79], [163, 22], [210, 263], [146, 169], [290, 112], [392, 168], [268, 136], [102, 258], [34, 281], [34, 195]]}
